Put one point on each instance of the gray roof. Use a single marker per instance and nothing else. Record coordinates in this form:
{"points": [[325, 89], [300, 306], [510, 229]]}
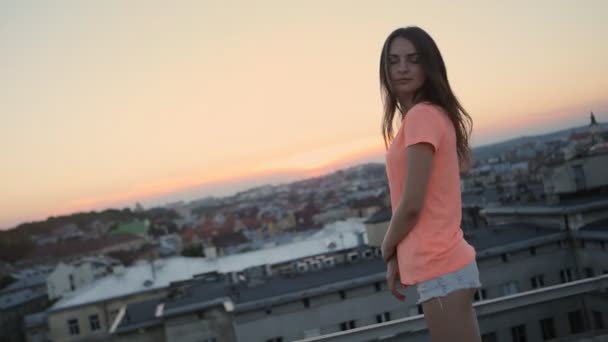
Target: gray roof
{"points": [[380, 216], [504, 235], [37, 280], [303, 285], [343, 233], [200, 294], [197, 295], [139, 315], [569, 207], [15, 298]]}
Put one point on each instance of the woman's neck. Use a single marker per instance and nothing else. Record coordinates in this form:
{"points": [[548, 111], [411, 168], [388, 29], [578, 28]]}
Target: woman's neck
{"points": [[406, 102]]}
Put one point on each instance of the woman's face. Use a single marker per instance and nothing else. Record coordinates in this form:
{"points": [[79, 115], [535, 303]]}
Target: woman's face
{"points": [[404, 68]]}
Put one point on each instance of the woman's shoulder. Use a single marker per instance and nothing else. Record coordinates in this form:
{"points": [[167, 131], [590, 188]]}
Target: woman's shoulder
{"points": [[428, 107], [429, 110]]}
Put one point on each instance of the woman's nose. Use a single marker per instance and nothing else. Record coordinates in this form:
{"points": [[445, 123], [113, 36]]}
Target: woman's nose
{"points": [[403, 67]]}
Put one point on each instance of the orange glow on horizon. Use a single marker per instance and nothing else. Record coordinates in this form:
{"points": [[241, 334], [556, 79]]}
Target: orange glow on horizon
{"points": [[148, 191]]}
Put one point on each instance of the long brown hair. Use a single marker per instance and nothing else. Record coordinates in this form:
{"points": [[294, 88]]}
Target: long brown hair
{"points": [[436, 89]]}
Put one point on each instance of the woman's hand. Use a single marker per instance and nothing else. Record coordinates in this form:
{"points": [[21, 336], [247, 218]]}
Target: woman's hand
{"points": [[393, 279], [388, 248], [387, 251]]}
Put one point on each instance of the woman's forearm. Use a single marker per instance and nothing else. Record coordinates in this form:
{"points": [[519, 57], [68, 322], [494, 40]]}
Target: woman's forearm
{"points": [[401, 224]]}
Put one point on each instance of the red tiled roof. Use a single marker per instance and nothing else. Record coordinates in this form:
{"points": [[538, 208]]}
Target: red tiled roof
{"points": [[579, 136]]}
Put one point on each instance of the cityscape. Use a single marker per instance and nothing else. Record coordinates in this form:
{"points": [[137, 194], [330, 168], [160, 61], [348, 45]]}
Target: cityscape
{"points": [[227, 171], [278, 262]]}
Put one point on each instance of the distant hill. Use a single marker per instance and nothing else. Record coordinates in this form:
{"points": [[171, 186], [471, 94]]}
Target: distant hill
{"points": [[486, 151]]}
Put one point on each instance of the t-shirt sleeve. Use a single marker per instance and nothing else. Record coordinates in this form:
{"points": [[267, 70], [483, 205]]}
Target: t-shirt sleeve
{"points": [[424, 124]]}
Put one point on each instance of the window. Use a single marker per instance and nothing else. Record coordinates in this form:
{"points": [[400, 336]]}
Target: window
{"points": [[538, 281], [385, 317], [347, 325], [565, 275], [420, 309], [72, 286], [576, 321], [269, 311], [547, 326], [306, 302], [532, 250], [589, 272], [518, 333], [480, 295], [598, 320], [603, 244], [342, 294], [505, 257], [489, 337], [113, 314], [378, 286], [510, 288], [94, 322], [73, 327]]}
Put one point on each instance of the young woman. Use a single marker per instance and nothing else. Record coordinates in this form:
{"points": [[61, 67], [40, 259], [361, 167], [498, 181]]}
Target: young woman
{"points": [[424, 244]]}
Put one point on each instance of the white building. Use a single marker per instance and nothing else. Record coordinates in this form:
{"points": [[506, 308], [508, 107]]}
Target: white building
{"points": [[66, 278]]}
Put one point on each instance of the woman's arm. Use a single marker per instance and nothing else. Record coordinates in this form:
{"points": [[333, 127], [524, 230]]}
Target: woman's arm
{"points": [[420, 159]]}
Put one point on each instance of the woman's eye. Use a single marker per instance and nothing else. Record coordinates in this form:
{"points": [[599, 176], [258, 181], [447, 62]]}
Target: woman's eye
{"points": [[415, 59]]}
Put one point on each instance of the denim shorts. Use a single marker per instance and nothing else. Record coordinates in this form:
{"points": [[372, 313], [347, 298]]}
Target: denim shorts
{"points": [[464, 278]]}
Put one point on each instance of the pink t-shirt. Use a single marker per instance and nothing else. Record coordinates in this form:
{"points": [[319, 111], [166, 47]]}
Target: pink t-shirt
{"points": [[435, 245]]}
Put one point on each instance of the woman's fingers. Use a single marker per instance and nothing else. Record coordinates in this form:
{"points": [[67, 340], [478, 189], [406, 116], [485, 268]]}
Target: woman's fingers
{"points": [[392, 280], [400, 296]]}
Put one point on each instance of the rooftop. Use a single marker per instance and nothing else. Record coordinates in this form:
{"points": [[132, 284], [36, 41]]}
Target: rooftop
{"points": [[35, 280], [271, 292], [343, 233], [568, 207], [9, 300], [505, 235]]}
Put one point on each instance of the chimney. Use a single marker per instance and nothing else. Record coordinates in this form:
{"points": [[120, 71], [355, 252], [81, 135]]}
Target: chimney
{"points": [[153, 269]]}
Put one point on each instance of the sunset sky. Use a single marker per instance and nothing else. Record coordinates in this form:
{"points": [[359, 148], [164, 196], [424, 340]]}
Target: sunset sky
{"points": [[105, 103]]}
